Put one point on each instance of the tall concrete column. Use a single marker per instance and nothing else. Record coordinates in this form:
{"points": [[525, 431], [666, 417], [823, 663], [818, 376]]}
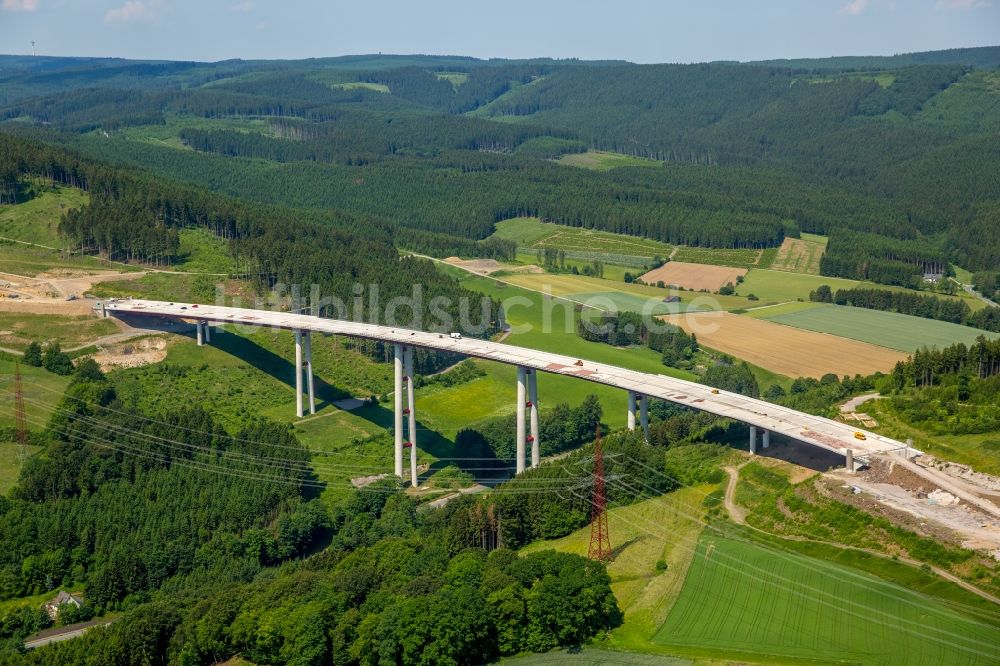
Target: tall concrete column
{"points": [[536, 452], [397, 359], [520, 463], [200, 334], [644, 416], [309, 372], [850, 460], [411, 406], [208, 331], [767, 438], [631, 410], [753, 439], [298, 373], [104, 311]]}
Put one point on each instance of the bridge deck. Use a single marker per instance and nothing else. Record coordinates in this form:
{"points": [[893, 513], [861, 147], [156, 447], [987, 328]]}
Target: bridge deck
{"points": [[826, 433]]}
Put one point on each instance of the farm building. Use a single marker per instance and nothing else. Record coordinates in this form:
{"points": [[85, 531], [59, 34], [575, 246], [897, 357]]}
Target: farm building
{"points": [[61, 599]]}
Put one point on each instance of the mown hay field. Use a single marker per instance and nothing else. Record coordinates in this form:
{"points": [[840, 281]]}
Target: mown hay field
{"points": [[694, 277], [784, 349]]}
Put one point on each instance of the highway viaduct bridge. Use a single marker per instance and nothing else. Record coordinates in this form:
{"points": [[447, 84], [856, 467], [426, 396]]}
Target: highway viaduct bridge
{"points": [[840, 438]]}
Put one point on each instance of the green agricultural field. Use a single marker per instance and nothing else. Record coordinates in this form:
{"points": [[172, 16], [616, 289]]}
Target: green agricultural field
{"points": [[768, 311], [577, 287], [532, 233], [599, 160], [886, 329], [780, 286], [623, 302], [631, 252], [18, 329], [744, 601], [595, 657], [550, 325], [37, 220], [785, 286]]}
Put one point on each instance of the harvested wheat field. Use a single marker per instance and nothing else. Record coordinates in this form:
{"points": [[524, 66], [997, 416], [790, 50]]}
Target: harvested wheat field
{"points": [[783, 349], [696, 277]]}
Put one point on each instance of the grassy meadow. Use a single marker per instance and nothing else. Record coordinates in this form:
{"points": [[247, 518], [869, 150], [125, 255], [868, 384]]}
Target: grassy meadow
{"points": [[600, 160], [37, 220], [42, 392], [887, 329], [781, 286], [18, 329]]}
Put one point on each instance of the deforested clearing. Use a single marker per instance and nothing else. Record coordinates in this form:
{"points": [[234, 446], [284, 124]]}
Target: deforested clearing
{"points": [[696, 277], [783, 349], [800, 255]]}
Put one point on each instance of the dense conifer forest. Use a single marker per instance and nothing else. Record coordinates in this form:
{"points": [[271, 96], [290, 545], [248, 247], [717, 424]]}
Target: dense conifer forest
{"points": [[893, 158]]}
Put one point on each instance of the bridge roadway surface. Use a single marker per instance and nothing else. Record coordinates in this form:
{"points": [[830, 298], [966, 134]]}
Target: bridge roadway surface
{"points": [[817, 431]]}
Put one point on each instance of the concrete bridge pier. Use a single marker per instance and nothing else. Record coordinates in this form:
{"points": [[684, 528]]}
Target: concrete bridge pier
{"points": [[310, 386], [208, 331], [753, 439], [522, 373], [536, 452], [199, 333], [411, 426], [298, 373], [849, 455], [397, 359], [644, 416], [767, 438], [631, 409]]}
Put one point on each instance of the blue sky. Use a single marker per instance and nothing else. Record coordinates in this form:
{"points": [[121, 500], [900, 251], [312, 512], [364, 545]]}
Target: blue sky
{"points": [[637, 30]]}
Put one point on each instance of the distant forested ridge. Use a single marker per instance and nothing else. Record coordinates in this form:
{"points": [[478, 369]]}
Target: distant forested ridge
{"points": [[894, 158]]}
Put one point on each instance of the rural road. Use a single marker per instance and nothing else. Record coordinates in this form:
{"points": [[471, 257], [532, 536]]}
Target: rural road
{"points": [[438, 503], [971, 290], [63, 633], [736, 512], [852, 405]]}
